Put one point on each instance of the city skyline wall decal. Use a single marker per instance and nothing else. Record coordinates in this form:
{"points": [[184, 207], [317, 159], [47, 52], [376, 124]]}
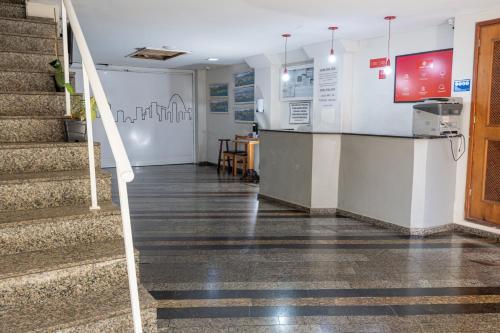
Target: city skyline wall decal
{"points": [[175, 111]]}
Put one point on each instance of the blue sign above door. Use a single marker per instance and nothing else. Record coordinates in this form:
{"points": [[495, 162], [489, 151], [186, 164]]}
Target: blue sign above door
{"points": [[461, 85]]}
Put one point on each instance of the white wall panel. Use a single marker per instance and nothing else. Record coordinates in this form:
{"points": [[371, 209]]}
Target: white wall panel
{"points": [[154, 113]]}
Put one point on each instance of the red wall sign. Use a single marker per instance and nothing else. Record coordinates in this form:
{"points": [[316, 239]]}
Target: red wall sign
{"points": [[423, 75], [377, 63], [381, 74]]}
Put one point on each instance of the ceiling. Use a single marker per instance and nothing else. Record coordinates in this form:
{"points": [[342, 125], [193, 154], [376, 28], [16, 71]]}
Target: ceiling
{"points": [[234, 29]]}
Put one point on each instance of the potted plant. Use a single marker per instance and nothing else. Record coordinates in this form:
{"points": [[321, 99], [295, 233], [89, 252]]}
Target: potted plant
{"points": [[59, 77], [76, 126]]}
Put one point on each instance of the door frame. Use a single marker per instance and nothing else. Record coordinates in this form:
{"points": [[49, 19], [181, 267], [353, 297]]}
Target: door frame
{"points": [[468, 189]]}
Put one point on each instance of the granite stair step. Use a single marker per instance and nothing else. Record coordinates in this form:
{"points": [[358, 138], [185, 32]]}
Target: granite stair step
{"points": [[16, 42], [9, 9], [107, 311], [41, 229], [31, 129], [21, 80], [36, 103], [27, 26], [37, 61], [51, 189], [20, 2], [40, 18], [32, 277], [45, 157]]}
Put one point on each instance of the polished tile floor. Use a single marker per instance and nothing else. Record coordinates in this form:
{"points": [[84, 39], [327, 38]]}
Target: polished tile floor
{"points": [[218, 259]]}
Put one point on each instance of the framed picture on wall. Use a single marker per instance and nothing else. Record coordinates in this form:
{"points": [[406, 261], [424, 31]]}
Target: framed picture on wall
{"points": [[218, 97], [244, 79], [218, 90], [244, 94], [244, 113], [301, 84], [219, 105], [423, 75]]}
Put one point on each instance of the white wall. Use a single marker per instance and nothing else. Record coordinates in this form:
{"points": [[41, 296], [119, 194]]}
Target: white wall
{"points": [[267, 88], [373, 109], [268, 71], [365, 103], [201, 115], [463, 65], [222, 125], [336, 118]]}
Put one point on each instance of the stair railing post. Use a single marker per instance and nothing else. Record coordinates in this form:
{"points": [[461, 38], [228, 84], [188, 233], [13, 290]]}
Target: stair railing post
{"points": [[65, 57], [129, 251], [90, 140]]}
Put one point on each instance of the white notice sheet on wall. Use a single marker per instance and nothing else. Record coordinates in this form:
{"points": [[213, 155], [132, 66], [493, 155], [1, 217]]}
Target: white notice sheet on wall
{"points": [[327, 87], [300, 113]]}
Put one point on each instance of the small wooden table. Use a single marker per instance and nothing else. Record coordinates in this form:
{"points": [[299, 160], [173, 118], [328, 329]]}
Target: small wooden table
{"points": [[250, 175]]}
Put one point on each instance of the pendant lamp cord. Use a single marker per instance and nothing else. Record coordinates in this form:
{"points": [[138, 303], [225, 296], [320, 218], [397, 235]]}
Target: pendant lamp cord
{"points": [[286, 42], [333, 31], [389, 43]]}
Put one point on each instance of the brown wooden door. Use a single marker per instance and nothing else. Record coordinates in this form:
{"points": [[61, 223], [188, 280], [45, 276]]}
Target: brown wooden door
{"points": [[484, 153]]}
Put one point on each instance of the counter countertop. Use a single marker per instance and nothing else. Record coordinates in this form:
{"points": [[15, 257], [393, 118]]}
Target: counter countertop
{"points": [[360, 134]]}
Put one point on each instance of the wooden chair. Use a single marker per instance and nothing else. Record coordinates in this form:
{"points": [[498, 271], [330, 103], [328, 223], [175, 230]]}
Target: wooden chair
{"points": [[241, 156], [240, 159], [238, 156]]}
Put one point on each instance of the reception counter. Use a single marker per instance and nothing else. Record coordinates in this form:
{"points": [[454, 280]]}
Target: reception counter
{"points": [[404, 182]]}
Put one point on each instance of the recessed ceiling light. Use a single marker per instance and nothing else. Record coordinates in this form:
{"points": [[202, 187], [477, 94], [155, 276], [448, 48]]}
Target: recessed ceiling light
{"points": [[213, 59]]}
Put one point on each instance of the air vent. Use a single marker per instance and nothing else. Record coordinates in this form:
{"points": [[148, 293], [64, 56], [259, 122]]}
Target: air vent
{"points": [[149, 53]]}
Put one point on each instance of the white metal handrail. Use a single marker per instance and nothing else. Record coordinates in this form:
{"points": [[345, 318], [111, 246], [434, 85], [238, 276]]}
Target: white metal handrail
{"points": [[124, 170]]}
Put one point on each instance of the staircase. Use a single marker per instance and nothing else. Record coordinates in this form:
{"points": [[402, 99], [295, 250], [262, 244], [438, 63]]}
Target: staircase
{"points": [[62, 266]]}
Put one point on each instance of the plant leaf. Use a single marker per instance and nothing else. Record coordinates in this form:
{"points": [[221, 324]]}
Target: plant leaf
{"points": [[69, 88], [56, 63], [93, 108], [59, 76]]}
